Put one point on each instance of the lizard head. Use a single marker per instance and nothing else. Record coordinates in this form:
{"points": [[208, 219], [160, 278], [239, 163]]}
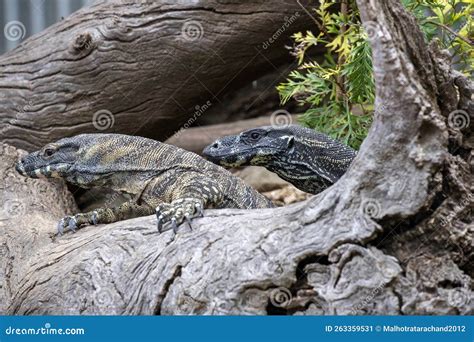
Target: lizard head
{"points": [[256, 146], [52, 161], [75, 159]]}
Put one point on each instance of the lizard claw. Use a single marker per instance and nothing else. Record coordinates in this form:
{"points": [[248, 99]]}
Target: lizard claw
{"points": [[200, 210], [72, 224], [95, 219], [174, 225], [61, 227], [68, 222], [75, 221], [159, 222], [178, 211], [188, 220]]}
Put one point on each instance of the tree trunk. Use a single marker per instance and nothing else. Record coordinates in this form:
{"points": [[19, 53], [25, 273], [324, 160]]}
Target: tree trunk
{"points": [[393, 236], [177, 58]]}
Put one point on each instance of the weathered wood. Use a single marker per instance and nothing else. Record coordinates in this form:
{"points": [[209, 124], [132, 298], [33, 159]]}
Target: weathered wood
{"points": [[256, 99], [393, 236], [176, 56], [28, 214]]}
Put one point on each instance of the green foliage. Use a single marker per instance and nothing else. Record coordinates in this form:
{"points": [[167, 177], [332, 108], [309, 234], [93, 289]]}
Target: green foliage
{"points": [[451, 23], [358, 73], [339, 88]]}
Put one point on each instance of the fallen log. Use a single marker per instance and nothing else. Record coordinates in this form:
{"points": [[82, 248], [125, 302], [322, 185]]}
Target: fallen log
{"points": [[69, 79]]}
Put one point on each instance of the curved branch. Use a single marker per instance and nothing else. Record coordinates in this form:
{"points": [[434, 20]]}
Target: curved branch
{"points": [[177, 57]]}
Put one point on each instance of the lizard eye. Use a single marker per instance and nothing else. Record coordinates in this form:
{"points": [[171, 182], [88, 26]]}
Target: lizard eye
{"points": [[255, 135], [48, 152]]}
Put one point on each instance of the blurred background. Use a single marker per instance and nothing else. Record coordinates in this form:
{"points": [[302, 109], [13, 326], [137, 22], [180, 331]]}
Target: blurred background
{"points": [[20, 19]]}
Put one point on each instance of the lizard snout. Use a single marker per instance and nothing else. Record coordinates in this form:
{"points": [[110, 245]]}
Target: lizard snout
{"points": [[211, 149], [20, 168], [214, 146]]}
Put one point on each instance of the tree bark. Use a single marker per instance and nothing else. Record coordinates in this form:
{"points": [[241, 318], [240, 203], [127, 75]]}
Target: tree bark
{"points": [[393, 236], [69, 79]]}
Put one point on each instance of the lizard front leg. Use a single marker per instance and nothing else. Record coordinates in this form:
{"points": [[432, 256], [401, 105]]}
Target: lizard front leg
{"points": [[188, 202], [125, 211]]}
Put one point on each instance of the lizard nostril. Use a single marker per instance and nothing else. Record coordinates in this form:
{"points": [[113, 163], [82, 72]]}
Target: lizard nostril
{"points": [[19, 167], [215, 145]]}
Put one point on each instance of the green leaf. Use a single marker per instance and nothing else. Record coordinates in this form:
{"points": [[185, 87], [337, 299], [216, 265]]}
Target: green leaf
{"points": [[342, 81]]}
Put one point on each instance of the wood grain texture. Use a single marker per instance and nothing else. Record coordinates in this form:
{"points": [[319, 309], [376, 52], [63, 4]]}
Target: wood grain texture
{"points": [[175, 55]]}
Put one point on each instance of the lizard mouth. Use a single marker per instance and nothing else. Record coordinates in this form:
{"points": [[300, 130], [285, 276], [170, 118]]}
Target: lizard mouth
{"points": [[228, 159], [233, 162], [228, 155], [49, 171]]}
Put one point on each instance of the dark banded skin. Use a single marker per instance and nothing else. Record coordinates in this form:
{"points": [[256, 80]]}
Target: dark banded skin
{"points": [[174, 183], [309, 160]]}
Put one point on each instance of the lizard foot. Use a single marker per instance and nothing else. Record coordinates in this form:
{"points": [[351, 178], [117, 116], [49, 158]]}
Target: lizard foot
{"points": [[178, 211], [75, 221]]}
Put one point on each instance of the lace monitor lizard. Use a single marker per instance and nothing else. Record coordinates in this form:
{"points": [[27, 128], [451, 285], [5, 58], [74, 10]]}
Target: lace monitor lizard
{"points": [[309, 160], [174, 183]]}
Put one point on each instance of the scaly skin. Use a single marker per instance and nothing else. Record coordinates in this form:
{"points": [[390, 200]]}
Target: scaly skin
{"points": [[174, 183], [309, 160]]}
